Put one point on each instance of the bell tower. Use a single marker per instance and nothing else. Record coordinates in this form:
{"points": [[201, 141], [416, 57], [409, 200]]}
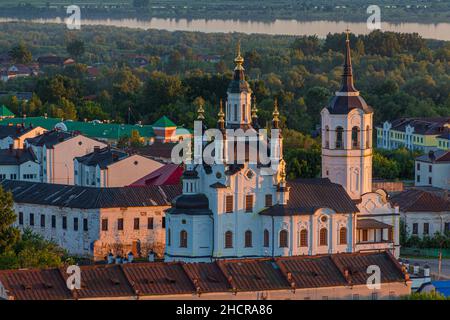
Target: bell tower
{"points": [[347, 135]]}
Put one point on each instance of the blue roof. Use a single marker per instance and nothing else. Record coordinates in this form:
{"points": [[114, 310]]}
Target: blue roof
{"points": [[442, 286]]}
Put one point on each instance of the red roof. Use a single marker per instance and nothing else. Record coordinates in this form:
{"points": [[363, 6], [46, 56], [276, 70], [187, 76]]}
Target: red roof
{"points": [[169, 174]]}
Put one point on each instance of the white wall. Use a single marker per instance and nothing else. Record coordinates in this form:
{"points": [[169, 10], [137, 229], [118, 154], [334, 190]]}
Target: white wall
{"points": [[440, 174]]}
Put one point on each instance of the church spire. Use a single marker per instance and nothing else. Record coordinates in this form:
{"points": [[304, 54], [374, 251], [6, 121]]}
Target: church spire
{"points": [[200, 112], [221, 120], [254, 111], [276, 115], [347, 76]]}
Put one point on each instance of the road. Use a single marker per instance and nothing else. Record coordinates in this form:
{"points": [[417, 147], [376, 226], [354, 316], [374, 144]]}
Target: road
{"points": [[433, 263]]}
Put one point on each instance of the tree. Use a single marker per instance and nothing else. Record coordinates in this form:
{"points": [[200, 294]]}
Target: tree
{"points": [[21, 54], [75, 48], [9, 235]]}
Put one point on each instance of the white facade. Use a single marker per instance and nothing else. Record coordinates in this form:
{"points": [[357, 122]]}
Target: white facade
{"points": [[434, 174], [27, 171], [423, 224], [118, 174], [56, 162]]}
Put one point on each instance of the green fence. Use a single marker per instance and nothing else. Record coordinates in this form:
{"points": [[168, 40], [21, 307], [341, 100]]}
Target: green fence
{"points": [[426, 252]]}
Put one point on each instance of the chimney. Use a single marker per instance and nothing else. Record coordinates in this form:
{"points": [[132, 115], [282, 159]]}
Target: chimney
{"points": [[416, 268]]}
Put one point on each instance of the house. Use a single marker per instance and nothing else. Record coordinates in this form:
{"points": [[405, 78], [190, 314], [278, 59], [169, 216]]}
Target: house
{"points": [[15, 136], [433, 169], [55, 151], [325, 277], [110, 167], [413, 133], [53, 60], [444, 141], [157, 150], [169, 174], [234, 210], [17, 71], [94, 222], [423, 213], [18, 164], [5, 113]]}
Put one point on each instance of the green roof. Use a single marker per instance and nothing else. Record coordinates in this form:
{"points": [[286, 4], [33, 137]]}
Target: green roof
{"points": [[5, 112], [164, 122], [89, 129]]}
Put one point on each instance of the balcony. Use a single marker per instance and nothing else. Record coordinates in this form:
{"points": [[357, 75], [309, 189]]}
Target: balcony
{"points": [[372, 234]]}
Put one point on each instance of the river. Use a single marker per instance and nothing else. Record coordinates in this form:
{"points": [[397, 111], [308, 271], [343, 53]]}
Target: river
{"points": [[439, 31]]}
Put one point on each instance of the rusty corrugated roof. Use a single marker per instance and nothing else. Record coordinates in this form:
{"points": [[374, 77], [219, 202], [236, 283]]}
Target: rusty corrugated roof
{"points": [[414, 200], [207, 277]]}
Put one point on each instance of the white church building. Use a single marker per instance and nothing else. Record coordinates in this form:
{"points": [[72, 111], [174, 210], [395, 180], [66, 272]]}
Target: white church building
{"points": [[230, 210]]}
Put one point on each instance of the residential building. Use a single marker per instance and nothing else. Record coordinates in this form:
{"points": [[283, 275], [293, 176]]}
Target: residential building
{"points": [[157, 150], [14, 136], [239, 210], [433, 169], [423, 213], [109, 167], [168, 174], [18, 164], [94, 222], [444, 141], [55, 151], [327, 277], [421, 134]]}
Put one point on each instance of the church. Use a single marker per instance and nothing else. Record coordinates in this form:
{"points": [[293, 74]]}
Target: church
{"points": [[232, 210]]}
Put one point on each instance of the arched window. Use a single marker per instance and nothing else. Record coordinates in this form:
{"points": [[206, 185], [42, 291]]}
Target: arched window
{"points": [[283, 239], [368, 138], [266, 238], [343, 235], [304, 238], [355, 138], [327, 137], [228, 240], [248, 239], [323, 237], [244, 115], [183, 239], [168, 237], [339, 138]]}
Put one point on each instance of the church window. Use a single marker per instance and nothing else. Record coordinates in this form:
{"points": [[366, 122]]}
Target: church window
{"points": [[304, 238], [268, 200], [343, 235], [235, 112], [248, 239], [283, 239], [355, 138], [323, 237], [339, 138], [228, 240], [183, 239], [249, 203], [120, 224], [266, 238], [327, 137], [368, 138], [229, 204], [244, 117]]}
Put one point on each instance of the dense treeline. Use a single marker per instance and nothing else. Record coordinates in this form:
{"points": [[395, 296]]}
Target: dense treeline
{"points": [[398, 74]]}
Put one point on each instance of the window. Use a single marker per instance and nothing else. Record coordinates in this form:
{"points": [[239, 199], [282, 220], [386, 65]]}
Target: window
{"points": [[266, 238], [229, 204], [248, 239], [42, 221], [228, 240], [343, 235], [283, 239], [163, 222], [418, 167], [85, 225], [323, 235], [415, 228], [355, 137], [339, 138], [104, 224], [31, 219], [268, 200], [426, 228], [150, 223], [120, 224], [447, 227], [244, 116], [365, 235], [64, 223], [418, 178], [75, 224], [53, 222], [430, 180], [21, 218], [249, 203], [136, 223], [368, 138], [168, 237], [327, 137], [304, 238], [183, 239], [430, 168], [13, 176]]}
